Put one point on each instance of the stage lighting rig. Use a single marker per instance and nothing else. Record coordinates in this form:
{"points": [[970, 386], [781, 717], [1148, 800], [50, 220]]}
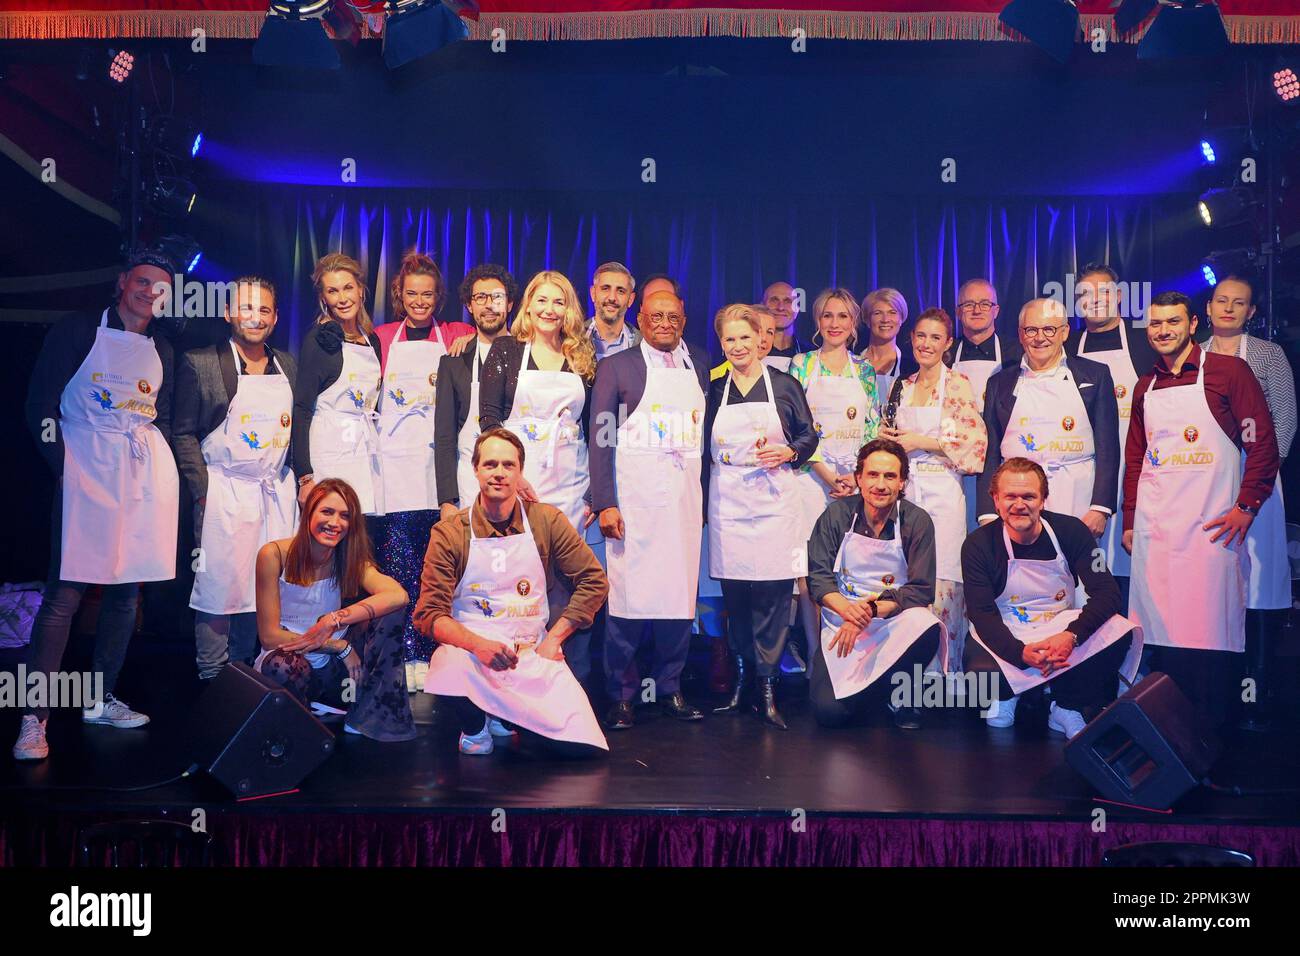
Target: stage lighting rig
{"points": [[175, 137], [1226, 207], [1285, 81], [292, 36], [121, 65], [183, 250], [1051, 25], [1226, 262], [172, 196], [1184, 28], [416, 28]]}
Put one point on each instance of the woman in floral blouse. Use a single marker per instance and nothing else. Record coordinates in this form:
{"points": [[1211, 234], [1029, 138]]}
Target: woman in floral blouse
{"points": [[842, 394], [941, 430]]}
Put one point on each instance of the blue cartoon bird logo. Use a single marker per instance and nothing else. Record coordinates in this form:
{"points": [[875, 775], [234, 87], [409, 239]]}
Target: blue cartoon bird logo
{"points": [[398, 396], [817, 427], [483, 605], [846, 587], [660, 429], [1028, 441], [358, 399], [1020, 613], [1153, 456], [104, 397], [251, 439], [530, 432]]}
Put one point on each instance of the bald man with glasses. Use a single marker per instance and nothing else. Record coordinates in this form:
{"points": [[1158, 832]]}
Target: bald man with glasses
{"points": [[1059, 411]]}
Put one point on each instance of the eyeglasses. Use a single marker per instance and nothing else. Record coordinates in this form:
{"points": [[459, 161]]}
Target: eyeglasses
{"points": [[976, 305], [1046, 331], [483, 298], [663, 318]]}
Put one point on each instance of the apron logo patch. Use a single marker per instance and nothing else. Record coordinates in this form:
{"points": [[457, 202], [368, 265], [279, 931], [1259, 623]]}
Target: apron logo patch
{"points": [[852, 412], [104, 397], [484, 605], [285, 420], [523, 587], [1060, 595], [358, 399], [761, 442], [817, 427], [1028, 441], [1120, 391], [433, 378], [1191, 434], [695, 416], [251, 440], [1153, 457], [1068, 423], [144, 387], [887, 580], [398, 396]]}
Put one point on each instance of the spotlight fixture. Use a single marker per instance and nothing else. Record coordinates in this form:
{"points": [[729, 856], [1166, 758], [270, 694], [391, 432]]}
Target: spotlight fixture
{"points": [[1131, 13], [1051, 25], [1207, 152], [173, 196], [1184, 28], [1224, 207], [1226, 262], [183, 250], [1207, 271], [176, 137], [119, 68], [292, 36], [416, 28], [1286, 84]]}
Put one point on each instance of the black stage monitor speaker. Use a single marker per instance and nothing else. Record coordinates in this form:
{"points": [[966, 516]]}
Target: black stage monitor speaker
{"points": [[254, 736], [1144, 748]]}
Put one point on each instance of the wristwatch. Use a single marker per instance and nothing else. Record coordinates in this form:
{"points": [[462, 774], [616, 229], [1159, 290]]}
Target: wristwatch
{"points": [[1253, 512]]}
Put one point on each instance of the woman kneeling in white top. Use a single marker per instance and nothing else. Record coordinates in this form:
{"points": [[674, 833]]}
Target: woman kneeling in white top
{"points": [[348, 658]]}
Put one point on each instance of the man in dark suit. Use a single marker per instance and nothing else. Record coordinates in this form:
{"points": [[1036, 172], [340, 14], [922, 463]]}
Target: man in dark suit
{"points": [[488, 293], [647, 415], [231, 427], [1059, 411]]}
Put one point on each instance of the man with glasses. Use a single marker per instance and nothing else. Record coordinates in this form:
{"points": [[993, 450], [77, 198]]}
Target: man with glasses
{"points": [[612, 292], [980, 350], [488, 294], [647, 409], [1058, 411]]}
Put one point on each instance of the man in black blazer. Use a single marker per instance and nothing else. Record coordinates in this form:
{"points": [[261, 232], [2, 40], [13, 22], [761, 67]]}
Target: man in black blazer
{"points": [[647, 417], [488, 293], [1059, 411], [245, 465]]}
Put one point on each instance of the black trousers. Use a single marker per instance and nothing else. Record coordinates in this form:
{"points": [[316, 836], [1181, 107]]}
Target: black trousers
{"points": [[672, 640], [1211, 680], [1086, 687], [758, 620], [470, 717], [829, 712]]}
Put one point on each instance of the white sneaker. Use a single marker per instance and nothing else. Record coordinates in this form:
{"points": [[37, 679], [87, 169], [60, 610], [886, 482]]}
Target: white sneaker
{"points": [[320, 709], [498, 729], [1002, 713], [1063, 721], [348, 728], [479, 744], [114, 713], [31, 743]]}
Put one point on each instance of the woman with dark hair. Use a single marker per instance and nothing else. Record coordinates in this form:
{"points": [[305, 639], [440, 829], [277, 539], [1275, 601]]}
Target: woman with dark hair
{"points": [[314, 646], [411, 348], [337, 387]]}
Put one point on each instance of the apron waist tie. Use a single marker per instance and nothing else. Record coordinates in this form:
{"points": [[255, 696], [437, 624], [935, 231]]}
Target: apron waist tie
{"points": [[134, 437], [421, 409]]}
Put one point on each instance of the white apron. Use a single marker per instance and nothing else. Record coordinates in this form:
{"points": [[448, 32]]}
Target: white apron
{"points": [[653, 571], [547, 417], [754, 512], [865, 567], [1049, 424], [839, 407], [466, 482], [934, 484], [344, 443], [1186, 591], [252, 498], [1125, 377], [121, 490], [406, 422], [1269, 585], [979, 371], [502, 597], [1037, 603]]}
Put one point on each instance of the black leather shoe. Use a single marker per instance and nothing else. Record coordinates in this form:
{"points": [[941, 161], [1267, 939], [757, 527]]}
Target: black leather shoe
{"points": [[676, 706], [733, 702], [906, 718], [620, 716], [765, 703]]}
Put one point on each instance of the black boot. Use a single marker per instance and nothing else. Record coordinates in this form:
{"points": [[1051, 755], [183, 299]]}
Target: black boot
{"points": [[737, 690], [765, 703]]}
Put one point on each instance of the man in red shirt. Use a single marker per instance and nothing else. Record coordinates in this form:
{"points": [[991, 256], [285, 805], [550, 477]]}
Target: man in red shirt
{"points": [[1188, 504]]}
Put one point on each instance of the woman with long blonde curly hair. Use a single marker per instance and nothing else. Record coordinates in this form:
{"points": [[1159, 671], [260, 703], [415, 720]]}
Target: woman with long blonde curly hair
{"points": [[537, 383]]}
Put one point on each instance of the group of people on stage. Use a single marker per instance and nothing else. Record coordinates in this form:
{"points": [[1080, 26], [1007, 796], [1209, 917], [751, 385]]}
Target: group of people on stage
{"points": [[489, 494]]}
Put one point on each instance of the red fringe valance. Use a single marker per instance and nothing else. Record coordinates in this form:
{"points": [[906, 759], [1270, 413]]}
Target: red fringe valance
{"points": [[622, 25]]}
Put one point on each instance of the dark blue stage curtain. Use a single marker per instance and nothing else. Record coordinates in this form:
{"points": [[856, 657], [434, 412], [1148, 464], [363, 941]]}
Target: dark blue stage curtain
{"points": [[721, 249]]}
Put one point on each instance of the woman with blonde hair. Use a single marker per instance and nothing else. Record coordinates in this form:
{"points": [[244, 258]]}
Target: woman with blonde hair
{"points": [[940, 427], [313, 645], [337, 388], [537, 383], [884, 311], [842, 393]]}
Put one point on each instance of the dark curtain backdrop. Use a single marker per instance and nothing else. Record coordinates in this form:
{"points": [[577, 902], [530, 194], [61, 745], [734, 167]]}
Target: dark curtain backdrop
{"points": [[720, 249]]}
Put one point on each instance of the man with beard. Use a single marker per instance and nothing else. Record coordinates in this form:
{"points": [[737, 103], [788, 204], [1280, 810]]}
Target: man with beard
{"points": [[612, 292], [488, 293], [231, 430]]}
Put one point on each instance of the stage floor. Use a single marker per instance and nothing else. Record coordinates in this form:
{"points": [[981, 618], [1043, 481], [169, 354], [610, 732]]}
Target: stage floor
{"points": [[955, 766]]}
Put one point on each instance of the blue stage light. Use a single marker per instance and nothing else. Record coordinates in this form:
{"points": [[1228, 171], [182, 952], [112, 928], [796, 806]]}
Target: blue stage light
{"points": [[1207, 151], [1210, 278], [198, 141]]}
